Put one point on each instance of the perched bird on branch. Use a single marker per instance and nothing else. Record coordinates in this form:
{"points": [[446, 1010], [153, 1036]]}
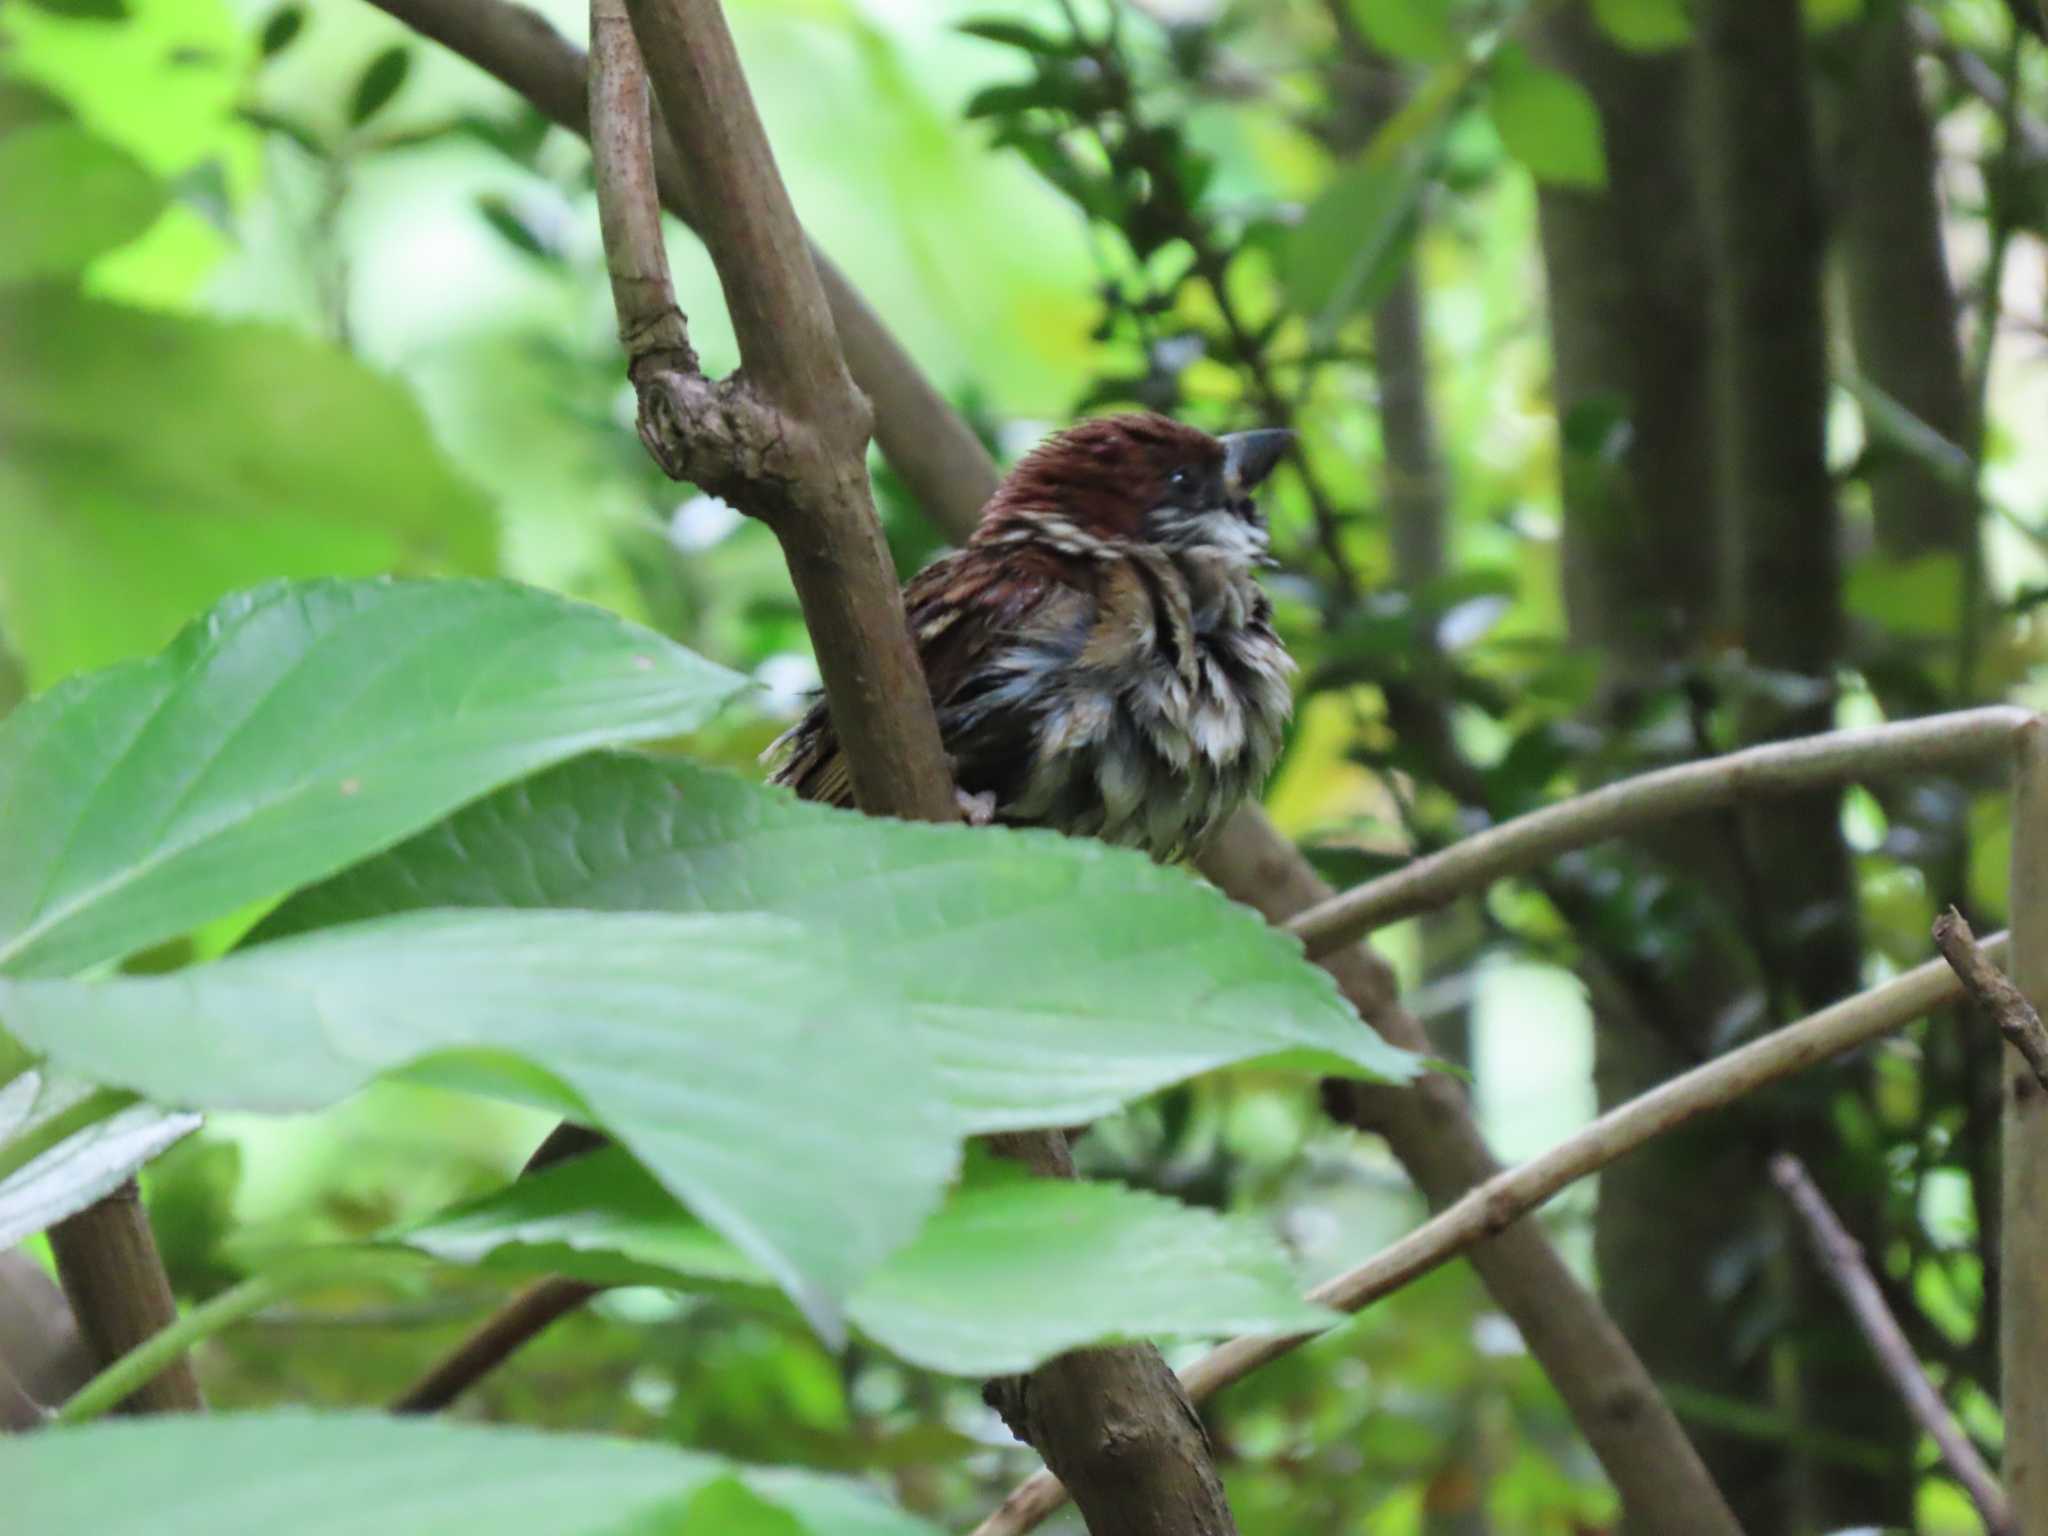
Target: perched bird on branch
{"points": [[1101, 658]]}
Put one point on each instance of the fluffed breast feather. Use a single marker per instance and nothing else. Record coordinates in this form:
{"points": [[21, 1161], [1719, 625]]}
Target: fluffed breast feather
{"points": [[1108, 689]]}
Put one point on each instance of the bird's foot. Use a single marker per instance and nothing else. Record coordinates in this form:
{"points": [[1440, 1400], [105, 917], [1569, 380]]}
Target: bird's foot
{"points": [[976, 810]]}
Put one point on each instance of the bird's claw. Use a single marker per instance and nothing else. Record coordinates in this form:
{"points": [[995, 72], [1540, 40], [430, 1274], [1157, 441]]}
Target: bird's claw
{"points": [[976, 810]]}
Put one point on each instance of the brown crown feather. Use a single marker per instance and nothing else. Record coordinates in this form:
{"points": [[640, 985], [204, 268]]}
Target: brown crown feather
{"points": [[1104, 474]]}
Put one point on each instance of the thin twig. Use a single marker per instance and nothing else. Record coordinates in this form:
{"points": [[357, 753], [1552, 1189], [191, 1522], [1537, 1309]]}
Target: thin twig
{"points": [[2002, 1002], [491, 1345], [1938, 741], [651, 326], [1842, 1258], [1504, 1200]]}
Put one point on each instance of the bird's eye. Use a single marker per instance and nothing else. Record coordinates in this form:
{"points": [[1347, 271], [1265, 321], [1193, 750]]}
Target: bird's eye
{"points": [[1181, 479]]}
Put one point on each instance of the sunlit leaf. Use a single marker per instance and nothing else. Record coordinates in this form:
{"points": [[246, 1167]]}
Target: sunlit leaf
{"points": [[64, 1144], [295, 729], [326, 1474], [1003, 1276], [762, 1071], [1547, 120], [1159, 978], [1417, 30]]}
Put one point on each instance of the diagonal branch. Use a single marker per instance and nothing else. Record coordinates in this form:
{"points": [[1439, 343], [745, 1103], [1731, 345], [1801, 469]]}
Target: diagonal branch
{"points": [[2002, 1002], [1780, 768], [1495, 1206], [1842, 1257]]}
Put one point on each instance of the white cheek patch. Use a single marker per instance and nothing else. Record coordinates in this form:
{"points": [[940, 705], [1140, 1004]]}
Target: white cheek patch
{"points": [[1234, 537]]}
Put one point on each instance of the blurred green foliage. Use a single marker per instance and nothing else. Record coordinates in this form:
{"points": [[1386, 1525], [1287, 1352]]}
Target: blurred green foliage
{"points": [[286, 292]]}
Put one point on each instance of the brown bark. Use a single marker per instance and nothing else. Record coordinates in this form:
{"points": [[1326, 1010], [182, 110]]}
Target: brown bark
{"points": [[114, 1279]]}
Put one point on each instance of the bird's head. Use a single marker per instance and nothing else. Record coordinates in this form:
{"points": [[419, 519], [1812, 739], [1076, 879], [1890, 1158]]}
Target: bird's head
{"points": [[1145, 477]]}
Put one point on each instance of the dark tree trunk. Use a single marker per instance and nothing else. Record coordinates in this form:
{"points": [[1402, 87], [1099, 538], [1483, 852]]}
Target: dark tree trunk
{"points": [[1644, 557], [1766, 234]]}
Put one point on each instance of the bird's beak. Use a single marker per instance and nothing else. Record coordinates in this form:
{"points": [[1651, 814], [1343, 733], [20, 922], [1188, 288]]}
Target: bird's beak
{"points": [[1248, 457]]}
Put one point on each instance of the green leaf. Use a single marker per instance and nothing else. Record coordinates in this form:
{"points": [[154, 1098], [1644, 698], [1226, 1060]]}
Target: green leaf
{"points": [[724, 1507], [1417, 30], [1158, 976], [1644, 26], [1354, 241], [131, 501], [63, 1144], [293, 730], [1547, 121], [1000, 1279], [1355, 238], [85, 10], [285, 24], [326, 1474], [762, 1072], [71, 196], [1017, 34], [1922, 596], [381, 79]]}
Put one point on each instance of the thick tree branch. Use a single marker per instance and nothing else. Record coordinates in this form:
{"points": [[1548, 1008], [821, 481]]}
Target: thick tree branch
{"points": [[114, 1278], [923, 436], [2001, 1002], [786, 440], [1842, 1257], [1779, 768], [1497, 1205]]}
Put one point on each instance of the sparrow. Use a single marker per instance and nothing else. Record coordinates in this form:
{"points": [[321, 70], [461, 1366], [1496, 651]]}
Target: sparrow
{"points": [[1100, 654]]}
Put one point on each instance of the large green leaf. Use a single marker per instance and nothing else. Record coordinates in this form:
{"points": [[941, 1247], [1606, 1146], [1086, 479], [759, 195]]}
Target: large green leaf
{"points": [[760, 1070], [1547, 120], [1052, 979], [64, 1144], [151, 463], [1356, 236], [293, 730], [66, 196], [335, 1474], [1002, 1277]]}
